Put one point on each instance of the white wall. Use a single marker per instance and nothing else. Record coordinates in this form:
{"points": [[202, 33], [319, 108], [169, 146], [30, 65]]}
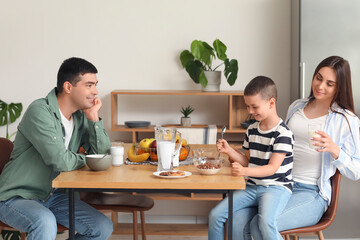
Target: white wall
{"points": [[136, 44]]}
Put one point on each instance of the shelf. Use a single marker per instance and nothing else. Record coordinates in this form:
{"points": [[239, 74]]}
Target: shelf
{"points": [[237, 111], [185, 196], [124, 128], [177, 92], [164, 229]]}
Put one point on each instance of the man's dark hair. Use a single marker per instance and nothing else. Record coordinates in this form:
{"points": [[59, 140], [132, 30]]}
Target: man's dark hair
{"points": [[71, 69], [263, 85]]}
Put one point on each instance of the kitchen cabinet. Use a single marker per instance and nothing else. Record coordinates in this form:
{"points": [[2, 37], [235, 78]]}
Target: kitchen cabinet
{"points": [[237, 112]]}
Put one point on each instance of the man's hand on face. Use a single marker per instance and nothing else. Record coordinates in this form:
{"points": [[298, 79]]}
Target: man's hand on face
{"points": [[92, 113]]}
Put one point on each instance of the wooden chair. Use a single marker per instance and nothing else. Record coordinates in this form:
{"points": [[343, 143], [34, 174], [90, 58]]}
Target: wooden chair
{"points": [[6, 147], [326, 219], [120, 202]]}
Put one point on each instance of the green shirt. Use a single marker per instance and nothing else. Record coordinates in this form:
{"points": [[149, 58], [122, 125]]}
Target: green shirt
{"points": [[39, 153]]}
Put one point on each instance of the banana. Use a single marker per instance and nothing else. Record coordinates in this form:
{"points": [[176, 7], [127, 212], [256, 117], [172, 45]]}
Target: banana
{"points": [[137, 158]]}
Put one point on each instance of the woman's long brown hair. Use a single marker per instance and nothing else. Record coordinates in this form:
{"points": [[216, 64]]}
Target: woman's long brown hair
{"points": [[343, 95]]}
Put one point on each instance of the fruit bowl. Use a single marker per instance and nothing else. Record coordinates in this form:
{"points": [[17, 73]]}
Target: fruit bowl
{"points": [[208, 166], [184, 152]]}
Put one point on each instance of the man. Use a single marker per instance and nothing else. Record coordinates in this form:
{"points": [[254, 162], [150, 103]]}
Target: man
{"points": [[49, 136]]}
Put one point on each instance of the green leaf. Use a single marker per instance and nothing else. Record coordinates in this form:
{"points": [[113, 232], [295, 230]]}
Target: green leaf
{"points": [[202, 79], [186, 58], [10, 235], [231, 71], [220, 49], [14, 110], [203, 52], [194, 69], [3, 113], [8, 114]]}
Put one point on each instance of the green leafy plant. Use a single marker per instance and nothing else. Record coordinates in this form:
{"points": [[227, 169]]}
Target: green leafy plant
{"points": [[8, 114], [187, 111], [10, 235], [201, 57]]}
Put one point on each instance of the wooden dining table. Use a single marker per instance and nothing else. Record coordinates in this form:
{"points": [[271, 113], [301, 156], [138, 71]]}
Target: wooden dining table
{"points": [[140, 179]]}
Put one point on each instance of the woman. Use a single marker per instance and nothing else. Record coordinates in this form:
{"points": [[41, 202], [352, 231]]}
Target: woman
{"points": [[331, 104]]}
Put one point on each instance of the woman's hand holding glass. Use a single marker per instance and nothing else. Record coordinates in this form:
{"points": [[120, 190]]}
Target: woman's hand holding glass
{"points": [[326, 144]]}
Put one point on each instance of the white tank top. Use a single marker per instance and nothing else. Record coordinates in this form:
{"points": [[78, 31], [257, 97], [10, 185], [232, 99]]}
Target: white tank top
{"points": [[307, 161], [69, 128]]}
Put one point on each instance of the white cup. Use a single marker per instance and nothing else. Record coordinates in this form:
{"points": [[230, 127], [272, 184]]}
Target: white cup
{"points": [[117, 153], [313, 127]]}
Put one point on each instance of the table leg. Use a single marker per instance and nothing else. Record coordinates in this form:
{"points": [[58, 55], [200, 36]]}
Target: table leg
{"points": [[71, 215], [230, 228]]}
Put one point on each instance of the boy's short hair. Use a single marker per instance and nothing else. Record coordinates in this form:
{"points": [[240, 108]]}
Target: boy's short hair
{"points": [[261, 85], [70, 70]]}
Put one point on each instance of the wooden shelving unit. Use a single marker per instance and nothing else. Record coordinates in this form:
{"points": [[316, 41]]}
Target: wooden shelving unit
{"points": [[237, 112]]}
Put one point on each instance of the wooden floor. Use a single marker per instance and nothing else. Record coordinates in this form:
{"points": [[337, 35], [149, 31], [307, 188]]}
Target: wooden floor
{"points": [[64, 236]]}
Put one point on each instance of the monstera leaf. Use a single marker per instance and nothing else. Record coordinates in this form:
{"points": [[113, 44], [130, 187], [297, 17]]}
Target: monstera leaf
{"points": [[8, 114], [10, 235]]}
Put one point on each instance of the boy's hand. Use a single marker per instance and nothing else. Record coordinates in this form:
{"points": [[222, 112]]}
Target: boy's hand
{"points": [[92, 113], [237, 169], [223, 146]]}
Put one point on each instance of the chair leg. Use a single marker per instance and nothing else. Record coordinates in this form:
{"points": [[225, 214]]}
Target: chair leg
{"points": [[320, 235], [142, 216], [135, 234], [114, 219]]}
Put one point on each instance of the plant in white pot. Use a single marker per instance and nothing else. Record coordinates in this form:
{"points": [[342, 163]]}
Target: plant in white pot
{"points": [[185, 119], [198, 63]]}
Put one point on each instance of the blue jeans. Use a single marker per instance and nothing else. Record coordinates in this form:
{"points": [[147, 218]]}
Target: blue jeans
{"points": [[39, 219], [270, 200], [304, 208]]}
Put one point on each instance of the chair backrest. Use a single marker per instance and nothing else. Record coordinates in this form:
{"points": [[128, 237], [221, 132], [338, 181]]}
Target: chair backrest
{"points": [[330, 213], [6, 147]]}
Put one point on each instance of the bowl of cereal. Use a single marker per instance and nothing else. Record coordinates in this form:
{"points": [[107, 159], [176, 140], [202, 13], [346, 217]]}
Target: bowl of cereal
{"points": [[208, 165]]}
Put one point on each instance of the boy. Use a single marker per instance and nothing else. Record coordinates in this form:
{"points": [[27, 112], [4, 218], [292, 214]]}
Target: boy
{"points": [[267, 162]]}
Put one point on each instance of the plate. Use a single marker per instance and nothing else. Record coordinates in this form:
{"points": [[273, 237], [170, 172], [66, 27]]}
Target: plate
{"points": [[136, 124], [186, 175]]}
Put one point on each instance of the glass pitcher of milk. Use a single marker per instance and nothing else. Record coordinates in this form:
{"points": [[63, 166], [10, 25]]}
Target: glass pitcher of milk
{"points": [[166, 146]]}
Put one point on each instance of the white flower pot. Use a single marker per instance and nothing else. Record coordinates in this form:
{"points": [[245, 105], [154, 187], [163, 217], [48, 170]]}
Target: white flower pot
{"points": [[214, 80], [186, 121]]}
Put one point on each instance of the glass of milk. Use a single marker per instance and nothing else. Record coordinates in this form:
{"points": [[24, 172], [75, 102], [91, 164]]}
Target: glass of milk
{"points": [[313, 127], [117, 153], [166, 147]]}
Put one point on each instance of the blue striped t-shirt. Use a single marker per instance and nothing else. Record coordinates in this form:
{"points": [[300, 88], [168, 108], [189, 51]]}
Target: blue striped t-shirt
{"points": [[262, 144]]}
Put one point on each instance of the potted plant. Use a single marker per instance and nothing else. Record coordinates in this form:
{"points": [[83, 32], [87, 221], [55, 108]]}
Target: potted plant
{"points": [[198, 63], [185, 119], [8, 114]]}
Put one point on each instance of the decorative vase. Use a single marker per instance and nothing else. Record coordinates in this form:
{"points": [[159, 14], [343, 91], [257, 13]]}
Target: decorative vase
{"points": [[186, 121], [214, 80]]}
